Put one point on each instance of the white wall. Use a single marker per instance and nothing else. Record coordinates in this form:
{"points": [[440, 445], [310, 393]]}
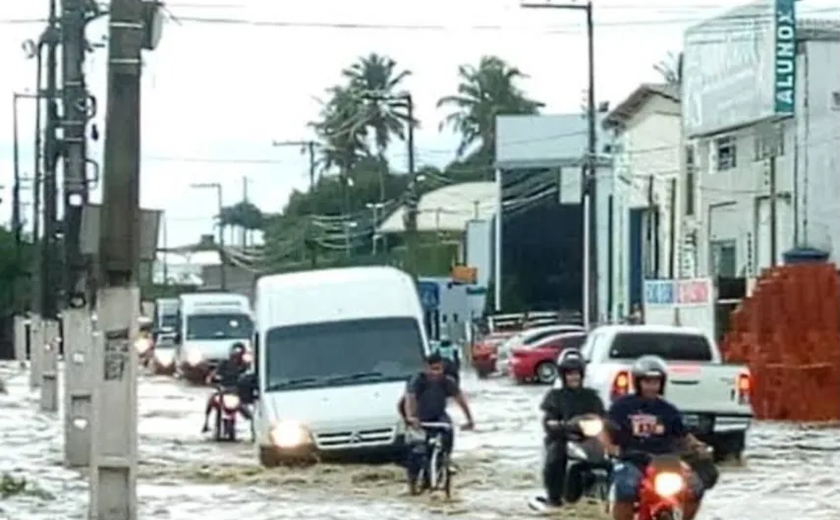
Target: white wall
{"points": [[649, 146], [733, 205]]}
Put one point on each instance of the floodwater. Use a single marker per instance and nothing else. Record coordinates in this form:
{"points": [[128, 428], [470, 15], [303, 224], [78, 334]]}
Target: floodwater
{"points": [[790, 470]]}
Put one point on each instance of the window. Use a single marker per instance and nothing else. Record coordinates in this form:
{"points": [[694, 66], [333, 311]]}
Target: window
{"points": [[575, 341], [342, 352], [671, 347], [689, 180], [726, 152], [219, 326], [724, 258]]}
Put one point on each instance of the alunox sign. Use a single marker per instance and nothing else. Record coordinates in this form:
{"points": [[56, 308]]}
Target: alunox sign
{"points": [[785, 57]]}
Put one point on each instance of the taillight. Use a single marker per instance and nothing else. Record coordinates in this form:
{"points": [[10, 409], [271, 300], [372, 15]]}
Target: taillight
{"points": [[743, 386], [621, 384]]}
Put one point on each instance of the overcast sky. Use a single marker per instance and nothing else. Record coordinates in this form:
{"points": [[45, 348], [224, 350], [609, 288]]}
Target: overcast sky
{"points": [[215, 95]]}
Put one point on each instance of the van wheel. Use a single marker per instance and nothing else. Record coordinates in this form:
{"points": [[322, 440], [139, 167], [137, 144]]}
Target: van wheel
{"points": [[268, 457], [546, 372]]}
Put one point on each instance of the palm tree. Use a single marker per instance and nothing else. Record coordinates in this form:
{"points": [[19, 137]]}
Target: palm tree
{"points": [[376, 80], [671, 68], [342, 133], [485, 92]]}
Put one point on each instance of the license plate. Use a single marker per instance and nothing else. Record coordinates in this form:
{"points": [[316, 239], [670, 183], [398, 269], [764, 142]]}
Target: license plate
{"points": [[691, 420]]}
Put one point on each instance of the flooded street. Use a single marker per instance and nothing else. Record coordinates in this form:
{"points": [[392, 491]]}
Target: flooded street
{"points": [[791, 471]]}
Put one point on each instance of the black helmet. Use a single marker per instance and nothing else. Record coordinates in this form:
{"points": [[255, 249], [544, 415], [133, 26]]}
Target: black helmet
{"points": [[647, 367], [571, 361], [237, 350]]}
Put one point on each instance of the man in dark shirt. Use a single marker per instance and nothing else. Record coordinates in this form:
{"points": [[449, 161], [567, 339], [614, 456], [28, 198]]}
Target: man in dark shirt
{"points": [[560, 405], [425, 401], [226, 377], [646, 422]]}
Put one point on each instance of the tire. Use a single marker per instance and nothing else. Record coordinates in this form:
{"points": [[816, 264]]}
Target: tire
{"points": [[434, 473], [230, 429], [415, 483], [447, 477], [546, 372], [268, 457]]}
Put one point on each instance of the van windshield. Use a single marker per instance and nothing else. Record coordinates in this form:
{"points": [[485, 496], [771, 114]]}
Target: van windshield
{"points": [[219, 326], [342, 352], [670, 347]]}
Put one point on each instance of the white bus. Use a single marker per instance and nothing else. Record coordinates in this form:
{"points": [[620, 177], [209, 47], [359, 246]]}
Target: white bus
{"points": [[209, 325], [335, 349]]}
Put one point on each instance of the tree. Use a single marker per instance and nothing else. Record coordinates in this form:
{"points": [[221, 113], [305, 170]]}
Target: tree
{"points": [[379, 103], [484, 92], [342, 133], [671, 68]]}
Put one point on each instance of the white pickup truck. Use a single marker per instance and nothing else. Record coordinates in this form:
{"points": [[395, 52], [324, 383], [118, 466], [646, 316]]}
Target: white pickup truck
{"points": [[713, 396]]}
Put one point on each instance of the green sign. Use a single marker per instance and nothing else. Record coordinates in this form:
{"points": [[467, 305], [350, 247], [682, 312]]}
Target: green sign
{"points": [[785, 57]]}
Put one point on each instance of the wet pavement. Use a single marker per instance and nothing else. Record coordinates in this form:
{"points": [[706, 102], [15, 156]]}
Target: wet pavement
{"points": [[182, 475]]}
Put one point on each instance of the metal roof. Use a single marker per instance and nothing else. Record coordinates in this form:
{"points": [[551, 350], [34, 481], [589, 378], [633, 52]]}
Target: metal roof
{"points": [[449, 208]]}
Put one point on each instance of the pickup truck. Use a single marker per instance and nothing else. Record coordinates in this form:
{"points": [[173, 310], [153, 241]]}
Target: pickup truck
{"points": [[713, 396]]}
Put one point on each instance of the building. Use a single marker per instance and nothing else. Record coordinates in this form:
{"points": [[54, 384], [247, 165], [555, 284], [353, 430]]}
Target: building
{"points": [[646, 131], [761, 112], [539, 253]]}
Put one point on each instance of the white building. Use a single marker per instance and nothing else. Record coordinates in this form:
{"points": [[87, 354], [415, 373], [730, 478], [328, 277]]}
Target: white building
{"points": [[766, 89], [647, 146]]}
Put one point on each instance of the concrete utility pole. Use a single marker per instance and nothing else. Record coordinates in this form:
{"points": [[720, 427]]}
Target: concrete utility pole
{"points": [[309, 148], [49, 282], [590, 179], [113, 472], [220, 206], [78, 371], [413, 199], [36, 351]]}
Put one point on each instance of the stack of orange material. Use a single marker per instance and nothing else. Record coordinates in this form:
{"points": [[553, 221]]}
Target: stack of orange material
{"points": [[788, 332]]}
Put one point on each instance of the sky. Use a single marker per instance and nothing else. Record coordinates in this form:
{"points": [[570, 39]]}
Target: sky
{"points": [[232, 76]]}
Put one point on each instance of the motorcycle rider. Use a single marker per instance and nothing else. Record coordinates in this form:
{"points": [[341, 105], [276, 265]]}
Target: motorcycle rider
{"points": [[645, 422], [227, 375], [560, 405], [425, 401]]}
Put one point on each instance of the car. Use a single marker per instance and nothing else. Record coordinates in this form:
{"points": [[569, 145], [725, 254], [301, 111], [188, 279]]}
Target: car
{"points": [[538, 361], [484, 353], [713, 396], [529, 337]]}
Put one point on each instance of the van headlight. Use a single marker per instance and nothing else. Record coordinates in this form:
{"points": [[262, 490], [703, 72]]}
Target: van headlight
{"points": [[290, 434], [194, 357], [668, 484]]}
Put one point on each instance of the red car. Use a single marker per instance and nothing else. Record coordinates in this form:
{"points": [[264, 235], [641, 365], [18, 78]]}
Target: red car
{"points": [[538, 362]]}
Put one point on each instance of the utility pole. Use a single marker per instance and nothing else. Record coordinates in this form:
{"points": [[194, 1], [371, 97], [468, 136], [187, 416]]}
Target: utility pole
{"points": [[244, 234], [77, 337], [306, 147], [413, 195], [49, 283], [113, 472], [771, 142], [590, 180], [376, 208], [220, 205]]}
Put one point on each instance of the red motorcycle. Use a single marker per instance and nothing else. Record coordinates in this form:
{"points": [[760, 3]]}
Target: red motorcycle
{"points": [[664, 490], [227, 410]]}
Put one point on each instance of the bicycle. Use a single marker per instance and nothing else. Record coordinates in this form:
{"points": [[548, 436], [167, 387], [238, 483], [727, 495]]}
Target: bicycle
{"points": [[435, 472]]}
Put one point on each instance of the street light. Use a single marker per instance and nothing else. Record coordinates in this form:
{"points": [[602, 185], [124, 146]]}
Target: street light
{"points": [[411, 199], [219, 200], [589, 201]]}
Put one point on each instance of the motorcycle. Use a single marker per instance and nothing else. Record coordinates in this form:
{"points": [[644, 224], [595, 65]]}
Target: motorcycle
{"points": [[227, 410], [664, 491], [588, 468]]}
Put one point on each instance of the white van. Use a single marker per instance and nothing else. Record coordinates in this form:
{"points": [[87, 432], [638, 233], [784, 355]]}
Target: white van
{"points": [[209, 325], [334, 351]]}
